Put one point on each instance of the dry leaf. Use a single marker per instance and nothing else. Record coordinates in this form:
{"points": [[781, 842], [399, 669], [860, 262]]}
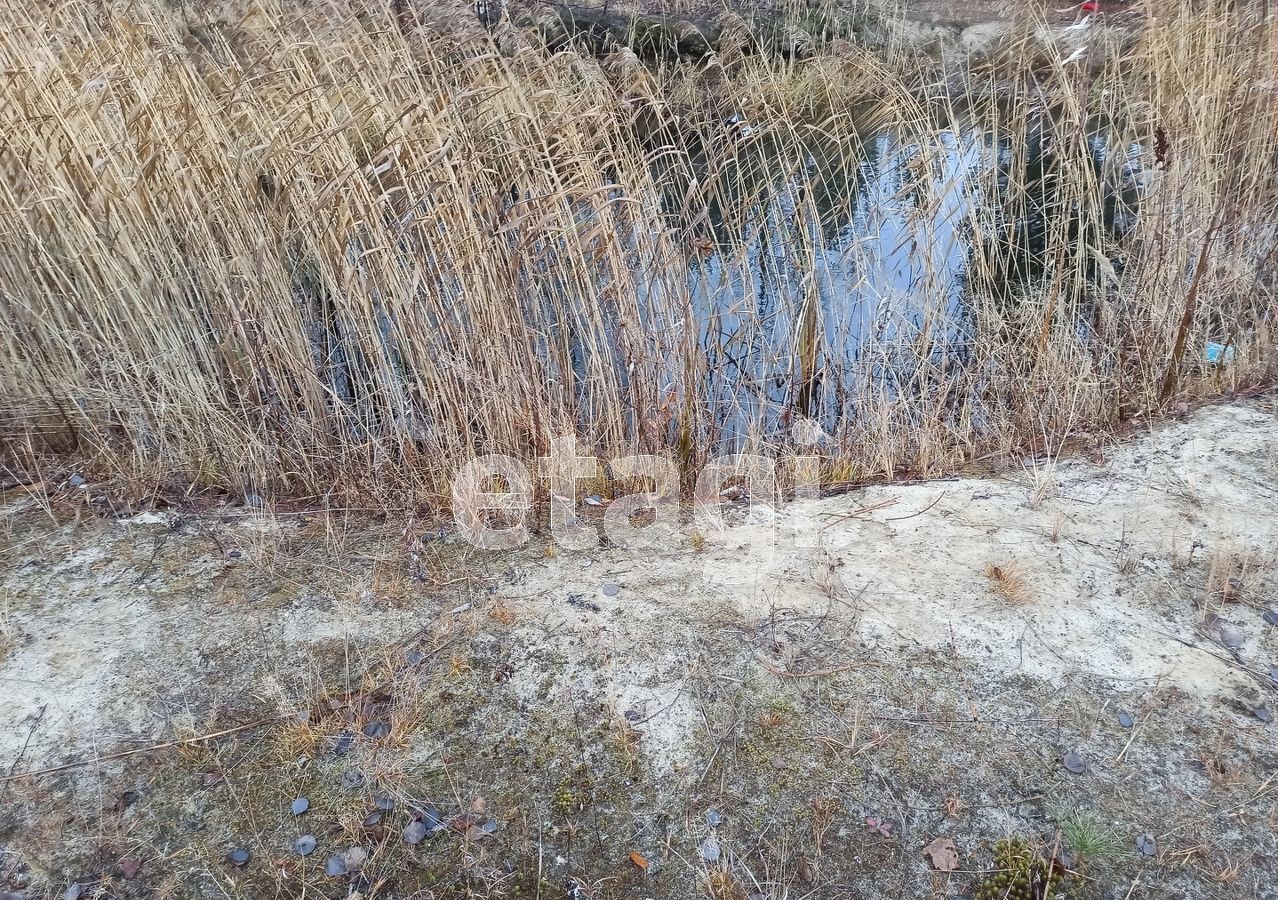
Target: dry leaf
{"points": [[477, 832], [638, 859], [943, 853], [882, 826]]}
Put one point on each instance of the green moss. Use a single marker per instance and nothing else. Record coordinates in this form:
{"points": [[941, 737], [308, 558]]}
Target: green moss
{"points": [[1020, 873]]}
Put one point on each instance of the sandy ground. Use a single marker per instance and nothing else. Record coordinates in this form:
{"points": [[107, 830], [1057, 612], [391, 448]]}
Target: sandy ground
{"points": [[858, 655]]}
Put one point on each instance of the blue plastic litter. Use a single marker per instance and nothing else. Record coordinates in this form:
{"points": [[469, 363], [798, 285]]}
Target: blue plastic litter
{"points": [[1219, 354]]}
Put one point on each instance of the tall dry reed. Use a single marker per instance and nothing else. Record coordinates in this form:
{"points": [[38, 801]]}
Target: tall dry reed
{"points": [[331, 252]]}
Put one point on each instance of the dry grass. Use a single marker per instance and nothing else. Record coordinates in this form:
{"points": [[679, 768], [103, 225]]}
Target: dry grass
{"points": [[333, 254], [1235, 574], [720, 884], [1009, 582]]}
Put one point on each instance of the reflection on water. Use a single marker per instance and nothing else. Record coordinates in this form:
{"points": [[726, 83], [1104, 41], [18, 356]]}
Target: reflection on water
{"points": [[866, 255]]}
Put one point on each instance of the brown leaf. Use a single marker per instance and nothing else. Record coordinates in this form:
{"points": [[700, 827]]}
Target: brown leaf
{"points": [[479, 806], [638, 859], [461, 823], [943, 853], [477, 833], [130, 868]]}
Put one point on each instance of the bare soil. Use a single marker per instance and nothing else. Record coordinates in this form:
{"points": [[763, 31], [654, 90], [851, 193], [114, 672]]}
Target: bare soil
{"points": [[723, 724]]}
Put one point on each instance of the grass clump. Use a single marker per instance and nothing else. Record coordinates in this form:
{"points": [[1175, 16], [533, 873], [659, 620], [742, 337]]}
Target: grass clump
{"points": [[1089, 839], [1008, 581]]}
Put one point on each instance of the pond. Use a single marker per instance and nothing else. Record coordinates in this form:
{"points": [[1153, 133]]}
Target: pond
{"points": [[818, 274]]}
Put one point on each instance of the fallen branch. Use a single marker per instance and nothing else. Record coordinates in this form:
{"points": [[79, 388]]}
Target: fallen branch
{"points": [[148, 749]]}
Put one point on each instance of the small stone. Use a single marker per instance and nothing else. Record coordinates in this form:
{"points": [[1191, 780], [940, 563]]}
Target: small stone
{"points": [[1263, 714], [1126, 720], [1231, 637], [342, 746], [254, 500], [376, 730], [335, 867], [1073, 763], [489, 827], [300, 805], [611, 590], [709, 850], [234, 554], [1271, 617], [1146, 845], [305, 845], [384, 802], [415, 833], [130, 868], [594, 500], [355, 858], [373, 818], [430, 817], [239, 857], [713, 819], [76, 481], [352, 779], [415, 657], [73, 892]]}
